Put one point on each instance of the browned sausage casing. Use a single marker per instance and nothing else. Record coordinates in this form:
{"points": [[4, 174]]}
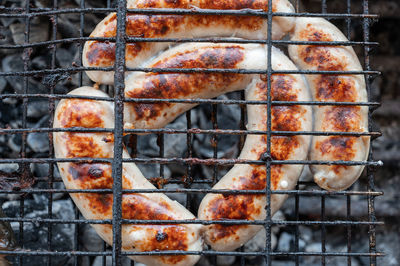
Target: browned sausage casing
{"points": [[253, 177], [91, 114], [333, 88], [140, 206], [102, 54]]}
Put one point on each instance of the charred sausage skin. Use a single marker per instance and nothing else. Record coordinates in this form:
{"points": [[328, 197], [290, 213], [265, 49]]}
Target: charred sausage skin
{"points": [[102, 54], [139, 206], [253, 177], [333, 88], [214, 206]]}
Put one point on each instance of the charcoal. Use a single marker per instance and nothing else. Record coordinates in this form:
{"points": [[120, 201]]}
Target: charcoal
{"points": [[64, 57], [98, 261], [147, 145], [286, 242], [90, 239], [37, 108], [41, 62], [38, 32], [9, 167], [94, 3], [14, 142], [204, 261], [175, 144], [38, 141], [68, 25], [225, 260], [13, 63], [227, 144], [35, 234], [258, 243], [3, 84], [41, 170], [82, 261]]}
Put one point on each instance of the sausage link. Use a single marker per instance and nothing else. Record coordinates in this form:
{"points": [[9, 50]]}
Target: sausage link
{"points": [[333, 88], [253, 177], [155, 115], [102, 54], [188, 85], [207, 85], [140, 206]]}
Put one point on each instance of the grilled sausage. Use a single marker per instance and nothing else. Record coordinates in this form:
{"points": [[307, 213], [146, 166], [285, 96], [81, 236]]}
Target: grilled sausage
{"points": [[253, 177], [189, 85], [155, 115], [102, 54], [141, 206], [333, 88], [207, 85]]}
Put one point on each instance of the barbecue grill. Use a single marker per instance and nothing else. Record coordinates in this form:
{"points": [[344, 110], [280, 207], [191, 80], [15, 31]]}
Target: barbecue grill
{"points": [[52, 75]]}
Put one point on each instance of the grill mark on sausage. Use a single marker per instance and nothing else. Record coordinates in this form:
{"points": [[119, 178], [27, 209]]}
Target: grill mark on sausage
{"points": [[336, 88], [286, 118], [83, 145], [215, 57], [134, 206], [169, 86], [81, 113], [282, 147], [99, 203], [322, 58], [163, 237], [101, 54], [235, 207], [313, 34], [209, 4], [91, 176], [240, 207], [339, 148], [343, 118], [140, 207], [88, 172]]}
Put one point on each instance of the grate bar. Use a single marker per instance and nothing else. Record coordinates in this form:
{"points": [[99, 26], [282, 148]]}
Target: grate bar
{"points": [[187, 70], [189, 161], [203, 222], [183, 40], [193, 101], [177, 252], [119, 84], [15, 12], [191, 131], [202, 191]]}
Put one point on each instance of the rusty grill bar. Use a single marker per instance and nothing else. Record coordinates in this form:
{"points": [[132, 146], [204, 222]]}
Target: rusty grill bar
{"points": [[121, 39]]}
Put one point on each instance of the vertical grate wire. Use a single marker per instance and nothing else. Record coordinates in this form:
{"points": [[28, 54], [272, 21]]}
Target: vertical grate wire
{"points": [[121, 39], [268, 158], [348, 197]]}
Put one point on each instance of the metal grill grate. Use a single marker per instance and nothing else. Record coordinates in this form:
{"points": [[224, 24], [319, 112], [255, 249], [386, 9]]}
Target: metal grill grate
{"points": [[55, 74]]}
